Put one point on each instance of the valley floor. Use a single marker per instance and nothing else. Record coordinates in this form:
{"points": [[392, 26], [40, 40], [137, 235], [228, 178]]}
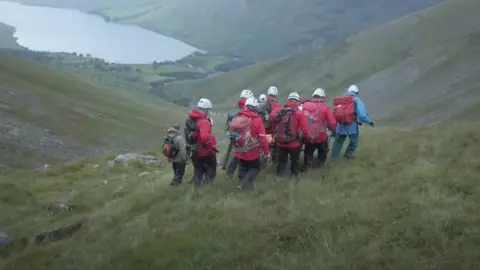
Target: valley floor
{"points": [[409, 202]]}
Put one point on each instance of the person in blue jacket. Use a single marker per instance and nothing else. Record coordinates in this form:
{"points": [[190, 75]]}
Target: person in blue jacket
{"points": [[351, 131]]}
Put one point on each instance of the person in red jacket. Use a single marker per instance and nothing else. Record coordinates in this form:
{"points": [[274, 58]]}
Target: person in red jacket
{"points": [[201, 143], [286, 127], [272, 105], [244, 95], [319, 117], [249, 137]]}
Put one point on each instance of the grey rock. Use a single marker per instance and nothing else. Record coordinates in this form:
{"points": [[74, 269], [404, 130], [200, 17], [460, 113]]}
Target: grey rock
{"points": [[59, 233], [6, 240], [60, 207], [111, 163], [132, 157]]}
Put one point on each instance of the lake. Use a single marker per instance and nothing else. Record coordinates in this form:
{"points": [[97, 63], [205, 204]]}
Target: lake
{"points": [[64, 30]]}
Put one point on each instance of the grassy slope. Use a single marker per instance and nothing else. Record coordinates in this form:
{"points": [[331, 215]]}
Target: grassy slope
{"points": [[260, 29], [50, 114], [6, 37], [427, 54], [408, 205]]}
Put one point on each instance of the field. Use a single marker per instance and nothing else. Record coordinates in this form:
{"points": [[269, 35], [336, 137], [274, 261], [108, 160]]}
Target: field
{"points": [[416, 70], [48, 115], [410, 201]]}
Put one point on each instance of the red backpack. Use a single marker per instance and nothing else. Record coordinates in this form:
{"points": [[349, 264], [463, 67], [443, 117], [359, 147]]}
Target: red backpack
{"points": [[241, 135], [344, 109], [315, 121], [282, 126]]}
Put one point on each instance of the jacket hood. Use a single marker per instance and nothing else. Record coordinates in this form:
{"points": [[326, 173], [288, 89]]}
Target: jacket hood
{"points": [[195, 114], [241, 103], [351, 94], [247, 113], [317, 100], [291, 104]]}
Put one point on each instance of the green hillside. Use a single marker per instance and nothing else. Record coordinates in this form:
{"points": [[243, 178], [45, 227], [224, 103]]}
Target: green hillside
{"points": [[6, 37], [412, 204], [48, 115], [256, 29], [425, 62]]}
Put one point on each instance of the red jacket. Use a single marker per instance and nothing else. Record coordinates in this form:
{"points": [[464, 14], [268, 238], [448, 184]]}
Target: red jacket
{"points": [[275, 106], [241, 103], [257, 131], [206, 141], [325, 115], [298, 122]]}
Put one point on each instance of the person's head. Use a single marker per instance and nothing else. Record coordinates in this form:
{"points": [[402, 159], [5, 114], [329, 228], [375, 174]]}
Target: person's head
{"points": [[272, 91], [353, 89], [251, 104], [262, 98], [204, 105], [176, 127], [294, 97], [246, 93], [319, 93]]}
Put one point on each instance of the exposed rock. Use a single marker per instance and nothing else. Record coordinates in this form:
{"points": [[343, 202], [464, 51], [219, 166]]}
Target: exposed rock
{"points": [[47, 167], [132, 157], [59, 234], [60, 207], [6, 240], [111, 163]]}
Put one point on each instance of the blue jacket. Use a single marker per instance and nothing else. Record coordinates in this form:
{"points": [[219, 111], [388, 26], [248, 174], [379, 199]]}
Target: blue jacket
{"points": [[362, 117]]}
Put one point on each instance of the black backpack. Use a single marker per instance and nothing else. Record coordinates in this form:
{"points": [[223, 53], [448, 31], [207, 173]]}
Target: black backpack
{"points": [[282, 129], [264, 115], [190, 134]]}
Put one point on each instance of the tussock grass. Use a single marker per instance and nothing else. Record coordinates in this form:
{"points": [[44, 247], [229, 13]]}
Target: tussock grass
{"points": [[410, 201]]}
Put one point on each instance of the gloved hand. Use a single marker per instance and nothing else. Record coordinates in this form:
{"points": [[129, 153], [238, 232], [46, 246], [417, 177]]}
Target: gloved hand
{"points": [[372, 124], [267, 156]]}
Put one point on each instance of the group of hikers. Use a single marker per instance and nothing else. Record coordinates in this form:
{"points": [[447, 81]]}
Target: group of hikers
{"points": [[263, 130]]}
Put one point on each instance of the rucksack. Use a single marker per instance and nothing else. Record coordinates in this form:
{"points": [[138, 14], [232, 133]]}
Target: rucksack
{"points": [[241, 135], [230, 115], [282, 129], [264, 115], [190, 135], [315, 121], [170, 149], [344, 109]]}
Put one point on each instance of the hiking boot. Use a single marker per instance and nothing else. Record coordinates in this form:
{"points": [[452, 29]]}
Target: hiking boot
{"points": [[352, 156], [175, 183], [239, 188]]}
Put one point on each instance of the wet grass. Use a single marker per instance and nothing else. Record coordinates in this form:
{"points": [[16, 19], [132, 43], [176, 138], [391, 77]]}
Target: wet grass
{"points": [[410, 201]]}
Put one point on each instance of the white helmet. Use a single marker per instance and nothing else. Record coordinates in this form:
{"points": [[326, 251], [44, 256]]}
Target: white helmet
{"points": [[353, 88], [262, 97], [319, 92], [246, 93], [272, 91], [294, 95], [251, 101], [204, 103]]}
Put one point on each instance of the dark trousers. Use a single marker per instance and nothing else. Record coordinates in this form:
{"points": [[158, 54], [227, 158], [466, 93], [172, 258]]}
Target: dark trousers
{"points": [[232, 166], [274, 153], [248, 170], [322, 152], [283, 154], [178, 171], [204, 166]]}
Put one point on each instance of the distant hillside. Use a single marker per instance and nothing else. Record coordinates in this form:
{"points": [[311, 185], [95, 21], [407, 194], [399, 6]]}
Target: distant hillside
{"points": [[255, 29], [6, 37], [416, 70], [47, 115]]}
